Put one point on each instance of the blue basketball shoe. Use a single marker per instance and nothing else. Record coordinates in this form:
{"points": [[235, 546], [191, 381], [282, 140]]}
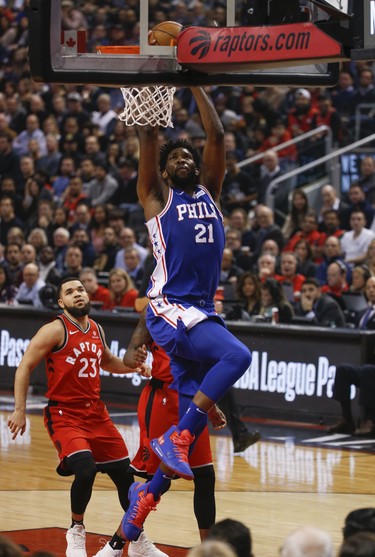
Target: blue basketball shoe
{"points": [[141, 503], [173, 450]]}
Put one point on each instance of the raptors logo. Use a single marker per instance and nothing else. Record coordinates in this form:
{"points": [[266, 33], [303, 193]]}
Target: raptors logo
{"points": [[200, 44]]}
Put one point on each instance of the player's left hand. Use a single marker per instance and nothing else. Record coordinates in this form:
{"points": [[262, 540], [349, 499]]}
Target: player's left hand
{"points": [[217, 417]]}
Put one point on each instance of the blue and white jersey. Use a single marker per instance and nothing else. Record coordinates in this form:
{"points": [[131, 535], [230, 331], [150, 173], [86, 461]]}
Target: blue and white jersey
{"points": [[188, 239]]}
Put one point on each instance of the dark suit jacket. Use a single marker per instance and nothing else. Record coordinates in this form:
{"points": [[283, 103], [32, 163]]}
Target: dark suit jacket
{"points": [[327, 312], [370, 325]]}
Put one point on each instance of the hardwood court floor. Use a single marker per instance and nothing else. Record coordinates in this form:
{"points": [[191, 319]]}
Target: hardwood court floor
{"points": [[288, 479]]}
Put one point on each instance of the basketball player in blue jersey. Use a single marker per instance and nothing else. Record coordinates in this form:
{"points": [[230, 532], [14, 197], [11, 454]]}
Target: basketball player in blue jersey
{"points": [[180, 197]]}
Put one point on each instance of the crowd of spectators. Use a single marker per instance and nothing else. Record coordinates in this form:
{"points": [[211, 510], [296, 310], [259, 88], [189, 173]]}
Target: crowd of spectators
{"points": [[68, 173]]}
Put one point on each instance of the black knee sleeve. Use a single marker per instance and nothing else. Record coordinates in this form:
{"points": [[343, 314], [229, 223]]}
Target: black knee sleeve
{"points": [[204, 496], [84, 469], [119, 474]]}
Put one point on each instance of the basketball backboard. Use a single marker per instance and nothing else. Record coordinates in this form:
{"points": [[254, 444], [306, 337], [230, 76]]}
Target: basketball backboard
{"points": [[66, 38]]}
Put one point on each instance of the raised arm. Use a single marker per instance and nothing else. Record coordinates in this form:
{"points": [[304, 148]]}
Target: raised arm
{"points": [[149, 187], [213, 169], [47, 337]]}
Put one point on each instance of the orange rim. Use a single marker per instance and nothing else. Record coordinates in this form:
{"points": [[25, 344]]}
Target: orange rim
{"points": [[132, 49]]}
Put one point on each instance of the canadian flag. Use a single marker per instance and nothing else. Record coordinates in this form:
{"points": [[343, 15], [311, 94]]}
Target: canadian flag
{"points": [[74, 41]]}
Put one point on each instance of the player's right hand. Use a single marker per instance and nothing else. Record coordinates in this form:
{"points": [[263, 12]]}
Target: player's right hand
{"points": [[17, 423]]}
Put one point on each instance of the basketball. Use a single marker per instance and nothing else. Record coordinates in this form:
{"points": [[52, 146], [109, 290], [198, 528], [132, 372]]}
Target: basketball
{"points": [[165, 33]]}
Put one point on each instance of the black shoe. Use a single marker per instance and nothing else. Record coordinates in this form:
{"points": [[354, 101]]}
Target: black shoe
{"points": [[342, 426], [368, 428], [245, 440]]}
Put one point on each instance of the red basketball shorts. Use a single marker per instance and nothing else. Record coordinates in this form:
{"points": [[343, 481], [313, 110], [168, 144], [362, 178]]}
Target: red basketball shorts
{"points": [[80, 428], [157, 411]]}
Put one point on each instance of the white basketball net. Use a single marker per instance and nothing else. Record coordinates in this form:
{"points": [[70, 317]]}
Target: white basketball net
{"points": [[148, 105]]}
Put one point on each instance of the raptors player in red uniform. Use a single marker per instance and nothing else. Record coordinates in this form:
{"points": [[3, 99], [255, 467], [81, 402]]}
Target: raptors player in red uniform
{"points": [[79, 425]]}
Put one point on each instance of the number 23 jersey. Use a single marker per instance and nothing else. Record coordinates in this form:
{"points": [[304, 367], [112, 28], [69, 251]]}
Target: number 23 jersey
{"points": [[187, 240], [73, 369]]}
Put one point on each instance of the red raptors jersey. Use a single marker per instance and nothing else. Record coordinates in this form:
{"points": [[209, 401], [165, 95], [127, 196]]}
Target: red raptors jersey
{"points": [[73, 370], [161, 365]]}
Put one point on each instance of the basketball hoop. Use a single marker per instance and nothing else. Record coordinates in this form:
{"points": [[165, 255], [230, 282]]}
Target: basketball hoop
{"points": [[148, 105]]}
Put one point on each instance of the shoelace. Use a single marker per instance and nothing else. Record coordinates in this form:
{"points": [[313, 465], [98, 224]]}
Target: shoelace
{"points": [[181, 444], [79, 539], [144, 505]]}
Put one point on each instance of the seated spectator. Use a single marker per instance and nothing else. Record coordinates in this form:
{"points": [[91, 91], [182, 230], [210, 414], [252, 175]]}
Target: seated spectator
{"points": [[266, 267], [102, 188], [73, 196], [8, 218], [32, 131], [105, 260], [355, 242], [133, 266], [310, 233], [272, 296], [360, 275], [289, 274], [331, 252], [82, 218], [336, 281], [98, 225], [235, 533], [266, 228], [44, 219], [9, 160], [229, 272], [72, 262], [329, 116], [104, 117], [7, 290], [49, 163], [96, 292], [318, 308], [66, 169], [269, 171], [16, 236], [330, 202], [28, 292], [28, 254], [363, 377], [47, 266], [127, 239], [243, 257], [331, 225], [238, 219], [306, 265], [38, 238], [13, 263], [238, 187], [61, 239], [307, 541], [296, 215], [123, 293], [247, 301], [81, 239], [279, 134], [35, 191], [357, 202]]}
